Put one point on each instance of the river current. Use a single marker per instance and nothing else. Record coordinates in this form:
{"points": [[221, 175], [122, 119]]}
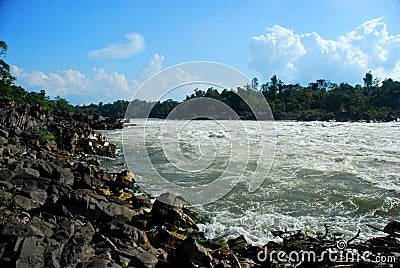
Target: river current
{"points": [[344, 175]]}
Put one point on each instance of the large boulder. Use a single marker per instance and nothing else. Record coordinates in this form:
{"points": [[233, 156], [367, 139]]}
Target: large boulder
{"points": [[168, 208], [90, 206], [191, 254]]}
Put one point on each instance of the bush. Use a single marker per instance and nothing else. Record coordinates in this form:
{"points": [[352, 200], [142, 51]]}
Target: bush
{"points": [[8, 208], [43, 135]]}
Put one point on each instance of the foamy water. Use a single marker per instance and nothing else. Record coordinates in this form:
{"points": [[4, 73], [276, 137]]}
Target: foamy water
{"points": [[344, 175]]}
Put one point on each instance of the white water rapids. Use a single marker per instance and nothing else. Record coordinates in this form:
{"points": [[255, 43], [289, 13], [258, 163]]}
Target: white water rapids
{"points": [[345, 175]]}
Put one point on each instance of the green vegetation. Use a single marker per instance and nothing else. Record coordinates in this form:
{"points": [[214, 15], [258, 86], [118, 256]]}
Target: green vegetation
{"points": [[43, 135], [8, 208], [319, 100]]}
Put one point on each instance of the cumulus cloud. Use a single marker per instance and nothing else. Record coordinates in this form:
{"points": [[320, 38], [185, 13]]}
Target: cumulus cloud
{"points": [[154, 66], [98, 85], [134, 46], [306, 57], [77, 87]]}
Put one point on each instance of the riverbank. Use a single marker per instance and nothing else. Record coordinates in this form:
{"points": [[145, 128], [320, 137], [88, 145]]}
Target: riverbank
{"points": [[58, 212]]}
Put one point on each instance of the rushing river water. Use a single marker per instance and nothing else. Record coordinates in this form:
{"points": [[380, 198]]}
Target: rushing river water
{"points": [[345, 175]]}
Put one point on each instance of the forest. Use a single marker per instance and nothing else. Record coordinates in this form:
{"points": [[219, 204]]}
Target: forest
{"points": [[377, 99]]}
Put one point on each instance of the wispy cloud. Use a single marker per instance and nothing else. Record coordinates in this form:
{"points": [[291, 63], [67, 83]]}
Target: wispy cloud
{"points": [[154, 66], [306, 57], [135, 44]]}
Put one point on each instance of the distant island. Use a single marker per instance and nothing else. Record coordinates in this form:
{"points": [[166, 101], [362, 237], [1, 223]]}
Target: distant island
{"points": [[376, 101]]}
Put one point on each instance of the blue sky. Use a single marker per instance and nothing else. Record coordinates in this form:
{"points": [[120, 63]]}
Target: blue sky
{"points": [[91, 51]]}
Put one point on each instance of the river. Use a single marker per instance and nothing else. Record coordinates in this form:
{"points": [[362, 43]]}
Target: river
{"points": [[345, 175]]}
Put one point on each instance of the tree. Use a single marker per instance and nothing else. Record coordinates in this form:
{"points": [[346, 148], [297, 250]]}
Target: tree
{"points": [[254, 83], [368, 80], [6, 79]]}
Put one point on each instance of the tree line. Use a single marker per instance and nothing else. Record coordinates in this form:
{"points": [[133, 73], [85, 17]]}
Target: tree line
{"points": [[319, 100]]}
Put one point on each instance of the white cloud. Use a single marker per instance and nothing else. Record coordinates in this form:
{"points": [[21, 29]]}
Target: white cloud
{"points": [[306, 57], [134, 46], [76, 87], [154, 66], [99, 85]]}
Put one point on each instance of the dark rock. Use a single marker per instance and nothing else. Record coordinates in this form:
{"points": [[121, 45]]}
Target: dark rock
{"points": [[168, 208], [6, 175], [73, 254], [140, 201], [142, 258], [83, 169], [392, 227], [4, 133], [94, 161], [34, 173], [128, 234], [30, 183], [6, 185], [58, 190], [38, 196], [191, 254], [239, 245], [46, 169], [26, 203], [100, 263], [12, 149], [93, 207], [83, 232], [64, 176], [3, 141], [53, 253], [16, 229], [31, 252], [122, 180], [91, 181], [43, 226]]}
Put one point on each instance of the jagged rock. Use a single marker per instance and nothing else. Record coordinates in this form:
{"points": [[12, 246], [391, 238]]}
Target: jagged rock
{"points": [[16, 229], [3, 141], [191, 254], [37, 196], [168, 208], [46, 169], [64, 176], [87, 204], [94, 162], [6, 175], [141, 258], [92, 182], [6, 184], [100, 263], [32, 172], [239, 245], [12, 149], [140, 201], [83, 232], [43, 226], [392, 227], [4, 133], [31, 252], [26, 203], [128, 234], [75, 253]]}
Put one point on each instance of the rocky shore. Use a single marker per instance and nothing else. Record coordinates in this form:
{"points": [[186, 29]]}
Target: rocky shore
{"points": [[56, 211]]}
